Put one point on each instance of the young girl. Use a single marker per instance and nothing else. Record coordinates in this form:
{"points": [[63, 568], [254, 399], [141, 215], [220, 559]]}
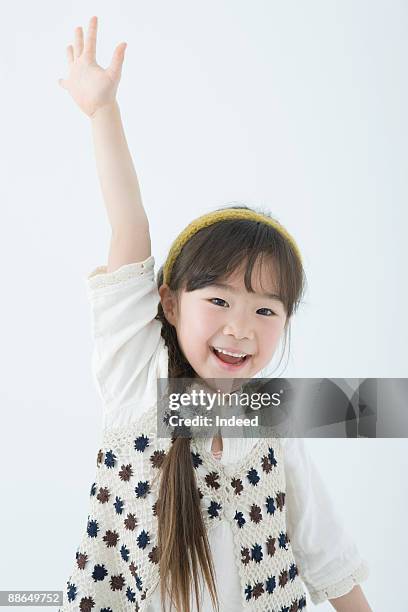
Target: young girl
{"points": [[200, 523]]}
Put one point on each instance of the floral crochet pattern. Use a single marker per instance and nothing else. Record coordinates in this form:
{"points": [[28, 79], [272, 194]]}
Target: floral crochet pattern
{"points": [[116, 562]]}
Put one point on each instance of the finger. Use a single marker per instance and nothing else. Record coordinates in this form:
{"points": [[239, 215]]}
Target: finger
{"points": [[70, 54], [90, 42], [117, 59], [78, 42]]}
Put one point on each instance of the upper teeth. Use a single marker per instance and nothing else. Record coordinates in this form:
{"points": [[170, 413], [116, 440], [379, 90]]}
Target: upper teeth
{"points": [[228, 352]]}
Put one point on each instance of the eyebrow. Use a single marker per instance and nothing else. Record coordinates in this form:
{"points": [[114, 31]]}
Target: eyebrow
{"points": [[273, 296]]}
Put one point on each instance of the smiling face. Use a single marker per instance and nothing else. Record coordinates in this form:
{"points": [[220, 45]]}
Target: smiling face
{"points": [[228, 317]]}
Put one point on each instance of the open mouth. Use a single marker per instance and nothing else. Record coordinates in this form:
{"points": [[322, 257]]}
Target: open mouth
{"points": [[229, 360]]}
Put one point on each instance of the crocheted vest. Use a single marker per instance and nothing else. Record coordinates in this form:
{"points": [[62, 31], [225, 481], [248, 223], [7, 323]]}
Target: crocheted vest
{"points": [[117, 564]]}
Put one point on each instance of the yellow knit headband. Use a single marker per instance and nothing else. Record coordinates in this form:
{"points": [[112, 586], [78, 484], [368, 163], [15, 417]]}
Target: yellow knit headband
{"points": [[214, 217]]}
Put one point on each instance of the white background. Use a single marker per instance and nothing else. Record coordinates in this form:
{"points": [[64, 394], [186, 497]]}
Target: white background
{"points": [[299, 107]]}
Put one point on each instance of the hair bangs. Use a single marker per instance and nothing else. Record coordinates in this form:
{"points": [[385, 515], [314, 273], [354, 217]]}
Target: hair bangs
{"points": [[217, 252]]}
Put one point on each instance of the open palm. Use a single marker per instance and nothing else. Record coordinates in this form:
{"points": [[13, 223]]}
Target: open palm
{"points": [[90, 85]]}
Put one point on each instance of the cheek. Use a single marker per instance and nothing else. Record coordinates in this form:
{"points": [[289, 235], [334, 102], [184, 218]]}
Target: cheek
{"points": [[197, 326], [271, 336], [206, 319], [200, 320]]}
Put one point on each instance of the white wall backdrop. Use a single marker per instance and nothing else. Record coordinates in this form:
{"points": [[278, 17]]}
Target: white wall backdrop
{"points": [[299, 107]]}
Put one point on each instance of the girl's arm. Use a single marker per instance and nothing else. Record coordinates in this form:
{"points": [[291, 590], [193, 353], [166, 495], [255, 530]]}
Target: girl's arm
{"points": [[354, 601], [94, 90], [328, 559], [130, 240]]}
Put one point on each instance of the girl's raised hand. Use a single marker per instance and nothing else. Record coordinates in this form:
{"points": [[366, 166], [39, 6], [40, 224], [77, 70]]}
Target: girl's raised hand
{"points": [[90, 85]]}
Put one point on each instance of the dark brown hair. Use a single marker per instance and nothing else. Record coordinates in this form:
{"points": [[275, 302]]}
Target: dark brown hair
{"points": [[213, 253]]}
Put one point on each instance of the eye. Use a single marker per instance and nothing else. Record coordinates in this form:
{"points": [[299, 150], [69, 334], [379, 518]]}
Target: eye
{"points": [[219, 299], [271, 311]]}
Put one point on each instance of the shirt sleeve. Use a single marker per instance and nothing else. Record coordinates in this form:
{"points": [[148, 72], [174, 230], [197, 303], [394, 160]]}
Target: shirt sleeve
{"points": [[328, 559], [127, 342]]}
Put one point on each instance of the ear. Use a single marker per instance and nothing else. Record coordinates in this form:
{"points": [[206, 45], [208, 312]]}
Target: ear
{"points": [[169, 303]]}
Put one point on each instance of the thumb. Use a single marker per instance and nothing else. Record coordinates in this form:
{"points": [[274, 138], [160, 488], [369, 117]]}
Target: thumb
{"points": [[117, 58]]}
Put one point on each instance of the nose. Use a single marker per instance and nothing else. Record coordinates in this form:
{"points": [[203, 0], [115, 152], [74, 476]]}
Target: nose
{"points": [[240, 328]]}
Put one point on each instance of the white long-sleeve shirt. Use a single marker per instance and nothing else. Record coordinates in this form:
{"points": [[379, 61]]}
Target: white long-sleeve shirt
{"points": [[129, 355]]}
